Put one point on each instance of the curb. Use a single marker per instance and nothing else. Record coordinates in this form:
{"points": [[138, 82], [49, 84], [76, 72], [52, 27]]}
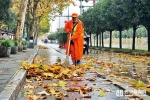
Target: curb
{"points": [[10, 92]]}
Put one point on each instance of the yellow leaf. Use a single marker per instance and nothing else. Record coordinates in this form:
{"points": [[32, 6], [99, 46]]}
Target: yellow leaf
{"points": [[24, 64], [54, 84], [62, 83], [102, 94], [52, 91], [49, 74], [55, 68], [65, 71], [28, 81], [43, 92]]}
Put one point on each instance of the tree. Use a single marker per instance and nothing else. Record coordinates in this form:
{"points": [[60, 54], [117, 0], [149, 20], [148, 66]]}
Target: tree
{"points": [[44, 25], [20, 10], [108, 16], [87, 19], [144, 17], [52, 37], [119, 13], [133, 11], [4, 9], [12, 21], [36, 9]]}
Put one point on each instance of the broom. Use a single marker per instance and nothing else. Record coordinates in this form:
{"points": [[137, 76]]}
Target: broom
{"points": [[66, 62]]}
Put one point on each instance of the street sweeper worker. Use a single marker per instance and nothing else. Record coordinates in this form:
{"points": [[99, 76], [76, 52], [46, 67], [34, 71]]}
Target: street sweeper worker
{"points": [[75, 28]]}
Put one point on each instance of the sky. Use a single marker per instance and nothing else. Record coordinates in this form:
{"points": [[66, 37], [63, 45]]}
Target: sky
{"points": [[59, 21]]}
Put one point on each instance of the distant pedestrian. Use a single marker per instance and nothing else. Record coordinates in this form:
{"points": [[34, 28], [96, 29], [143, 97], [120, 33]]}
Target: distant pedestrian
{"points": [[42, 40], [86, 43]]}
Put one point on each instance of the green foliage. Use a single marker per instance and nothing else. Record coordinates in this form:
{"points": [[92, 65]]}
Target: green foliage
{"points": [[16, 43], [25, 42], [44, 25], [60, 35], [62, 38], [4, 9], [86, 0], [6, 43], [0, 43], [140, 32], [116, 14], [12, 21], [52, 37]]}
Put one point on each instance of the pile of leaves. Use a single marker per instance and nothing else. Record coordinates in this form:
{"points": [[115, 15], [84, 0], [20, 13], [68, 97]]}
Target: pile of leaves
{"points": [[42, 47]]}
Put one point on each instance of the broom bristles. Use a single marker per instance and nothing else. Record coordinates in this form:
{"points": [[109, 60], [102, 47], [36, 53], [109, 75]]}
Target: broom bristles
{"points": [[66, 62]]}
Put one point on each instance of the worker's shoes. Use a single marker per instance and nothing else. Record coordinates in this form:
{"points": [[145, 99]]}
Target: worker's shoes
{"points": [[77, 62]]}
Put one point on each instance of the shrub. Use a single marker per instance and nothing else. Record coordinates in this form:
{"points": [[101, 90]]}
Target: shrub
{"points": [[7, 43], [24, 42], [16, 43]]}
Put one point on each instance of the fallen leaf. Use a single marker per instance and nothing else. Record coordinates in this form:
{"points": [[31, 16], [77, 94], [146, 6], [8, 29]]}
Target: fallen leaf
{"points": [[28, 92], [62, 83], [102, 94], [42, 93], [32, 97], [52, 91], [49, 74], [28, 81]]}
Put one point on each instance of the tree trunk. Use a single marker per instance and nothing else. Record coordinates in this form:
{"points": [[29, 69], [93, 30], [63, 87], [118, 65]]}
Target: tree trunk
{"points": [[97, 38], [36, 33], [20, 23], [110, 42], [134, 32], [90, 38], [33, 22], [120, 39], [120, 36], [102, 39], [148, 40]]}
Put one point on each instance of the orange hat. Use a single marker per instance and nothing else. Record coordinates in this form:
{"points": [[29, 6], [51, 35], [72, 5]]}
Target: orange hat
{"points": [[74, 15]]}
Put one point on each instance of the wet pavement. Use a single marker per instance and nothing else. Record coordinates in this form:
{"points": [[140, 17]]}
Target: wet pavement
{"points": [[53, 53]]}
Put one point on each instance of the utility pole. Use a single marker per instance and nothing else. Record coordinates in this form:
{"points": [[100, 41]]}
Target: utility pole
{"points": [[68, 13], [80, 6], [59, 22]]}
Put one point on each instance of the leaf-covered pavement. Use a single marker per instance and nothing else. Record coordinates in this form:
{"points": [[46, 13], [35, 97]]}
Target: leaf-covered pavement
{"points": [[86, 81]]}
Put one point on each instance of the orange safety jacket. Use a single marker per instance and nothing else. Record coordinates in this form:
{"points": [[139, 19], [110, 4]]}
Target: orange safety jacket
{"points": [[76, 49]]}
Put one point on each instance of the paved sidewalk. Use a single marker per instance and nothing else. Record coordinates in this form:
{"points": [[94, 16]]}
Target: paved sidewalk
{"points": [[11, 74]]}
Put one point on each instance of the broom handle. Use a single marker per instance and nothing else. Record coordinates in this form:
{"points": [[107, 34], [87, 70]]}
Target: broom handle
{"points": [[69, 44]]}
